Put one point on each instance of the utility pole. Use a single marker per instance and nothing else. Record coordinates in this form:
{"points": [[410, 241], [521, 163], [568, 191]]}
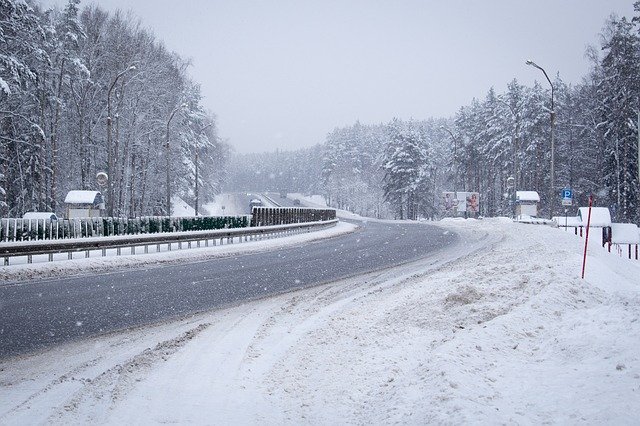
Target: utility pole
{"points": [[196, 192], [110, 153], [169, 158], [455, 169]]}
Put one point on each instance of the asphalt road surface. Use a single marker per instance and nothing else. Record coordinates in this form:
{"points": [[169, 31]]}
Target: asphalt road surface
{"points": [[43, 313]]}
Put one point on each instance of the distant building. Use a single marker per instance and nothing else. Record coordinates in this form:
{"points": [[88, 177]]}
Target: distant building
{"points": [[84, 204], [527, 203]]}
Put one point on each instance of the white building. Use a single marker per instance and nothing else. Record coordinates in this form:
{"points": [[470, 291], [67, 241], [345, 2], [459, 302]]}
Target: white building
{"points": [[527, 203], [84, 204]]}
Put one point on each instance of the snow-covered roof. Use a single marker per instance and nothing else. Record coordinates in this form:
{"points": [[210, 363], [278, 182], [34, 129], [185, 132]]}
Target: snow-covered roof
{"points": [[83, 197], [40, 215], [600, 216], [527, 196], [625, 233]]}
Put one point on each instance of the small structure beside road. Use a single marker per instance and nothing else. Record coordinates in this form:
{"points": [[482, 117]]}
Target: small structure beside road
{"points": [[84, 204], [527, 203]]}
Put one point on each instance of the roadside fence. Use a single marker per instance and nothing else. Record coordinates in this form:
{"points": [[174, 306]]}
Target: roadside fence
{"points": [[268, 216], [24, 237], [14, 230]]}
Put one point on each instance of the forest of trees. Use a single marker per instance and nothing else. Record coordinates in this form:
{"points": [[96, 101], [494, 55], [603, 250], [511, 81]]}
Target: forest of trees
{"points": [[84, 91], [279, 171], [399, 169]]}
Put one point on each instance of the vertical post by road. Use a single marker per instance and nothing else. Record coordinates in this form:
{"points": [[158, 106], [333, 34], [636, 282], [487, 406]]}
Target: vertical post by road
{"points": [[553, 114], [455, 169], [169, 158], [586, 239], [197, 177], [110, 153]]}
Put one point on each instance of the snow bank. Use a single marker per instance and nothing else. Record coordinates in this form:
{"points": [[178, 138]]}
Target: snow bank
{"points": [[499, 329], [180, 208], [226, 205]]}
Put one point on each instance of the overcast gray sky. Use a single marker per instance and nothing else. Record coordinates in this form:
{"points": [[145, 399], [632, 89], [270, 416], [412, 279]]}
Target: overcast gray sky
{"points": [[282, 74]]}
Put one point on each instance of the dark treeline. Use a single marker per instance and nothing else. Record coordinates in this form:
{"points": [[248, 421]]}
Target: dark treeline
{"points": [[86, 91]]}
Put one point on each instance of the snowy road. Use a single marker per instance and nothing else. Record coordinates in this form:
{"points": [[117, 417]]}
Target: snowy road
{"points": [[42, 313], [497, 330]]}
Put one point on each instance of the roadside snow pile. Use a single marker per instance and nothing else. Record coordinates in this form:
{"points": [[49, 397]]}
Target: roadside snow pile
{"points": [[310, 200], [507, 333], [180, 208], [227, 204]]}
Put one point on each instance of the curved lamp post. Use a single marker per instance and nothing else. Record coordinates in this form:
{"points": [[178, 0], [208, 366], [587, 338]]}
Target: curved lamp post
{"points": [[551, 191], [109, 148], [455, 157], [196, 192], [169, 158]]}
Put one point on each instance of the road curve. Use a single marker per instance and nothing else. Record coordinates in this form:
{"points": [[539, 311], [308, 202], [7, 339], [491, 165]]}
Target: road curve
{"points": [[39, 314]]}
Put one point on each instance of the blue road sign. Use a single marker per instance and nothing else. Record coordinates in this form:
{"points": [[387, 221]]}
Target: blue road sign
{"points": [[567, 197]]}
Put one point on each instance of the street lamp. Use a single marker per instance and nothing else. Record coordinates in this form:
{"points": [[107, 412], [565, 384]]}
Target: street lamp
{"points": [[455, 165], [196, 193], [110, 166], [553, 114], [169, 159]]}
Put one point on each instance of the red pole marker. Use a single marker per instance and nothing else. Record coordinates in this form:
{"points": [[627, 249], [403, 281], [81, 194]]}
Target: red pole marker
{"points": [[586, 240]]}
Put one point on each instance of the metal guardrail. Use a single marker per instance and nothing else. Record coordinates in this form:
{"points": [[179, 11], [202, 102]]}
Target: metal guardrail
{"points": [[268, 216], [20, 229], [87, 245]]}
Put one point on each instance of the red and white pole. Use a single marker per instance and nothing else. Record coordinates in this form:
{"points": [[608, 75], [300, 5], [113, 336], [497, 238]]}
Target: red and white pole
{"points": [[586, 240]]}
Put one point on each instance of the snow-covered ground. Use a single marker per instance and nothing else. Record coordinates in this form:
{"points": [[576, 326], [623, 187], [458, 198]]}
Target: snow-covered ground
{"points": [[225, 205], [500, 329]]}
